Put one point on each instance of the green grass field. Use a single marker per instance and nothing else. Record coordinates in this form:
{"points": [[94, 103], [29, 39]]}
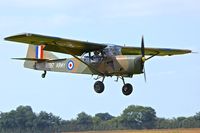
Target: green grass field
{"points": [[149, 131]]}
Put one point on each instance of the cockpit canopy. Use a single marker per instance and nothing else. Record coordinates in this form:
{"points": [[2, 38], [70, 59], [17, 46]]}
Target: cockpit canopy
{"points": [[112, 50]]}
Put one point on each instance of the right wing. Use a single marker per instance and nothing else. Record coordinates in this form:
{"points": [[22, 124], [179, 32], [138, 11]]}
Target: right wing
{"points": [[154, 51]]}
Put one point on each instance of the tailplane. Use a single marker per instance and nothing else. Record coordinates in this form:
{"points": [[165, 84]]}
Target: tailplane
{"points": [[35, 54]]}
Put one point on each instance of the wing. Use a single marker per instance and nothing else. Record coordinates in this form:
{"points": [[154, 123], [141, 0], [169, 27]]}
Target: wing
{"points": [[75, 47], [154, 51], [55, 44]]}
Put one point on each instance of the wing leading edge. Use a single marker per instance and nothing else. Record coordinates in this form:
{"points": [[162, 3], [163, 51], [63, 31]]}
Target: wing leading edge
{"points": [[154, 51], [77, 48], [55, 44]]}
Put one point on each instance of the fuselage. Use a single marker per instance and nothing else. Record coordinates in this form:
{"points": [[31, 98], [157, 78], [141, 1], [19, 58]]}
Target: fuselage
{"points": [[120, 65]]}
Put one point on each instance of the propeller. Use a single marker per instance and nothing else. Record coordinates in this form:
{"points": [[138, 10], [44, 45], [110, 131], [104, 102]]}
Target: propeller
{"points": [[143, 57]]}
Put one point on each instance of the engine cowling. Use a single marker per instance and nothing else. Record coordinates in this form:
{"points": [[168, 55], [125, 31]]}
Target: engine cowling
{"points": [[133, 64], [130, 64], [138, 65]]}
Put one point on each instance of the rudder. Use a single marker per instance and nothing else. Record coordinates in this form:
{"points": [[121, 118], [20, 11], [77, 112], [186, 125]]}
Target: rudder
{"points": [[37, 53]]}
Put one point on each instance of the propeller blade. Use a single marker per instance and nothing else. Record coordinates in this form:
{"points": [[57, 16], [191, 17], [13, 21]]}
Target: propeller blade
{"points": [[142, 47], [145, 78], [143, 57]]}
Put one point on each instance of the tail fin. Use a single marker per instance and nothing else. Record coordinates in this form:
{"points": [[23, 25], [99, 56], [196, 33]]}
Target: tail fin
{"points": [[36, 53]]}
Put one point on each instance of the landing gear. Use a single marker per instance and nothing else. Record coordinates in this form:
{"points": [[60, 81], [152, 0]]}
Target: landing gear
{"points": [[127, 89], [99, 86], [44, 74]]}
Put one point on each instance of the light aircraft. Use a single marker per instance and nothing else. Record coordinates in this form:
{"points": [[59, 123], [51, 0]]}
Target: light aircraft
{"points": [[91, 58]]}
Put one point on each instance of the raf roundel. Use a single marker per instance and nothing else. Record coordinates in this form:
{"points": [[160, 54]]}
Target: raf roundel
{"points": [[70, 65]]}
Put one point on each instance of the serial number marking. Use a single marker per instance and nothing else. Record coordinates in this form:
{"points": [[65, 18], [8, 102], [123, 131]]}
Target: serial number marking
{"points": [[50, 65], [60, 65]]}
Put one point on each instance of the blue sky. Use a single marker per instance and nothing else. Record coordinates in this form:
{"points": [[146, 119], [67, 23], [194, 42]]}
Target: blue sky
{"points": [[173, 85]]}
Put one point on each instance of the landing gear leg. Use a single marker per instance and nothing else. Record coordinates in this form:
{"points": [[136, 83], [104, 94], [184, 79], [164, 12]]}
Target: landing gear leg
{"points": [[127, 88], [99, 86], [44, 74]]}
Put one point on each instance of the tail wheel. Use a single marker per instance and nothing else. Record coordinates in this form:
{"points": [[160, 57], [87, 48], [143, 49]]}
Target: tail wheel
{"points": [[44, 74], [127, 89], [99, 87]]}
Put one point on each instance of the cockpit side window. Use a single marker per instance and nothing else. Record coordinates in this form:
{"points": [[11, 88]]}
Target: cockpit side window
{"points": [[97, 56], [93, 57]]}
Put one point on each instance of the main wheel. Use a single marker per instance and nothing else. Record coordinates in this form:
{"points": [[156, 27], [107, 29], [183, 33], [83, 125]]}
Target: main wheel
{"points": [[98, 87], [127, 89]]}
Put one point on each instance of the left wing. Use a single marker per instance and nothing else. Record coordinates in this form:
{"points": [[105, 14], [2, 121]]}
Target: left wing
{"points": [[153, 51], [55, 44]]}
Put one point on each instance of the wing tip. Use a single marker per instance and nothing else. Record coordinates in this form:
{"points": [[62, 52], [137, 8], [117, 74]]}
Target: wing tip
{"points": [[188, 51], [9, 38]]}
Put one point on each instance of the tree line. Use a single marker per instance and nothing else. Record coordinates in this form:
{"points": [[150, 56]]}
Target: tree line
{"points": [[24, 120]]}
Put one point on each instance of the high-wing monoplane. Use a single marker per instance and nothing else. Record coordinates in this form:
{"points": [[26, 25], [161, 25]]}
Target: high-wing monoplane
{"points": [[90, 58]]}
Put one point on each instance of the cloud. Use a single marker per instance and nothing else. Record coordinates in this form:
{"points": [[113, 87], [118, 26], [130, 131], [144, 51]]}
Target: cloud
{"points": [[50, 14], [131, 8], [38, 23], [107, 9]]}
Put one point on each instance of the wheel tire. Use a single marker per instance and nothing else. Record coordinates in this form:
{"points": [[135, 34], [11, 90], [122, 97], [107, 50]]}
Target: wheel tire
{"points": [[98, 87], [127, 89], [43, 75]]}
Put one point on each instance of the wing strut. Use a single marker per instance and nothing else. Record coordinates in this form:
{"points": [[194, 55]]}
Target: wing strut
{"points": [[152, 56]]}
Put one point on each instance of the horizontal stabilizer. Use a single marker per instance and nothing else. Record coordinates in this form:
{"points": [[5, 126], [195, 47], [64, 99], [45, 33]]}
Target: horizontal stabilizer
{"points": [[39, 60], [30, 59]]}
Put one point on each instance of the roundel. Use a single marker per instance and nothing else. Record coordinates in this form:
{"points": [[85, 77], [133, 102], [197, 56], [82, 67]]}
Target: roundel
{"points": [[70, 65]]}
